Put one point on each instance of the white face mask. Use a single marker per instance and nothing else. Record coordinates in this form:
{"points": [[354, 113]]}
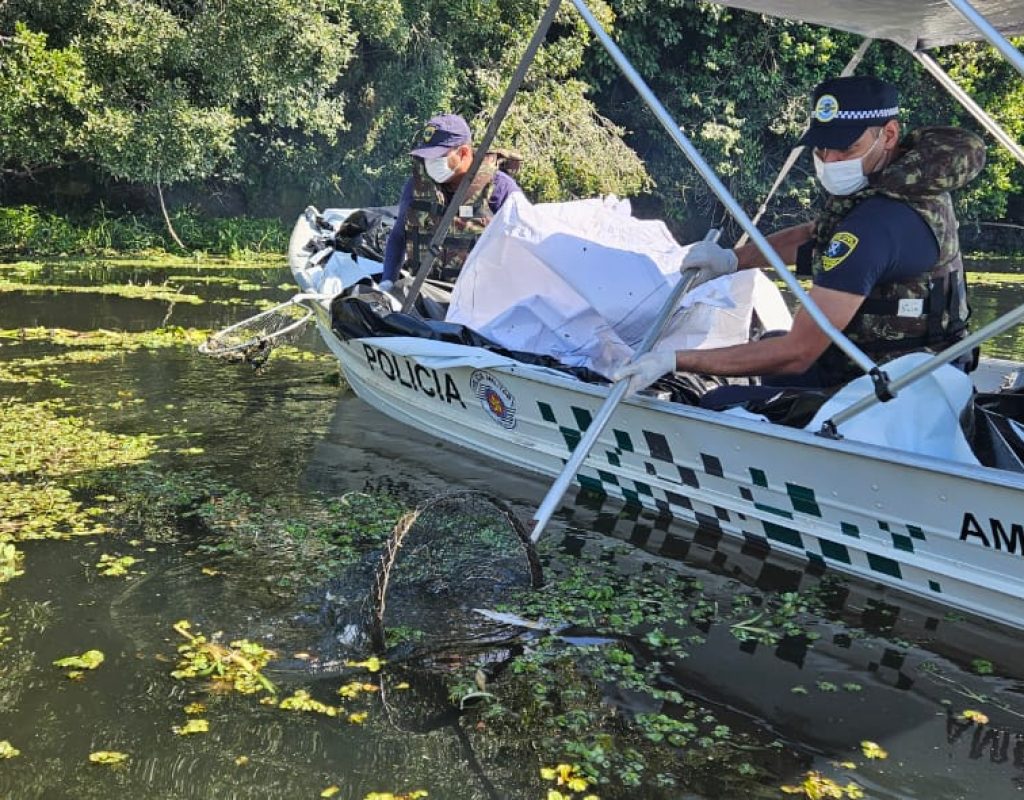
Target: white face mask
{"points": [[842, 178], [438, 169]]}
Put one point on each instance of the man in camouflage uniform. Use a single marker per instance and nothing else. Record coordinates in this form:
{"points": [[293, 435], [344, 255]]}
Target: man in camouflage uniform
{"points": [[883, 253], [440, 160]]}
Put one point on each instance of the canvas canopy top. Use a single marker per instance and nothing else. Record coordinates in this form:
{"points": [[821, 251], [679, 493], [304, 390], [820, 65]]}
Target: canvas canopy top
{"points": [[914, 24]]}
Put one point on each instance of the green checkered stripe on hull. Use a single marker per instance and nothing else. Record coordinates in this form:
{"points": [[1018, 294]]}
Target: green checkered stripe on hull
{"points": [[763, 514]]}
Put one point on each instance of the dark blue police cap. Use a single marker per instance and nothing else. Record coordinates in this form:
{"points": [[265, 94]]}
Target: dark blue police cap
{"points": [[843, 108], [441, 134]]}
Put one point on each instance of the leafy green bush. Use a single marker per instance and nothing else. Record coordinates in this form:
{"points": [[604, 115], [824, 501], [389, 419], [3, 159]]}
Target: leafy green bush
{"points": [[26, 230]]}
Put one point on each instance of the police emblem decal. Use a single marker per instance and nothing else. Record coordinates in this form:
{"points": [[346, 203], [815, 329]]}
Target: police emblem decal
{"points": [[495, 398], [826, 109], [841, 245]]}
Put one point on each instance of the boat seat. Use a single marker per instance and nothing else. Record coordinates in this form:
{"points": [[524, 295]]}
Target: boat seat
{"points": [[794, 406]]}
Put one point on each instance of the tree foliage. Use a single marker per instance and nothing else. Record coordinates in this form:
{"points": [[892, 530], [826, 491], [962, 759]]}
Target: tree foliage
{"points": [[325, 96], [44, 92], [738, 83]]}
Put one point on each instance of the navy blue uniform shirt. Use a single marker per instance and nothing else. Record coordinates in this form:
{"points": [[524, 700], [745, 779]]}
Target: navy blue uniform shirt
{"points": [[881, 240]]}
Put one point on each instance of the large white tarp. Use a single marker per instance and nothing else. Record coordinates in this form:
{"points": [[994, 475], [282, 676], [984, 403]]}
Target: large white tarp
{"points": [[583, 282], [923, 418], [915, 24]]}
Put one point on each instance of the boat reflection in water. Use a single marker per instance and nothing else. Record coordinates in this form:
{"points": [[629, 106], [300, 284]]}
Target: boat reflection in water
{"points": [[885, 666]]}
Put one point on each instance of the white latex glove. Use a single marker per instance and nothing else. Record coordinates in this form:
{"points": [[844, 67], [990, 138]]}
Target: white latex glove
{"points": [[646, 369], [711, 260], [386, 286]]}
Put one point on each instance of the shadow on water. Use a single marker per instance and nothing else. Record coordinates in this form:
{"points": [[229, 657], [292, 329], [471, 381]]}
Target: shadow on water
{"points": [[883, 667]]}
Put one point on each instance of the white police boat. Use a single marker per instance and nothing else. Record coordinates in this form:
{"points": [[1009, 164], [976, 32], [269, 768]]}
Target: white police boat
{"points": [[937, 521]]}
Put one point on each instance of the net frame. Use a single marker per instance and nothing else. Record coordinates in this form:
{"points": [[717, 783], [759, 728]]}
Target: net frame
{"points": [[377, 597], [253, 338]]}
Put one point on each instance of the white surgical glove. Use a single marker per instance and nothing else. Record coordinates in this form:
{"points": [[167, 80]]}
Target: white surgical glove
{"points": [[646, 369], [711, 260], [386, 286]]}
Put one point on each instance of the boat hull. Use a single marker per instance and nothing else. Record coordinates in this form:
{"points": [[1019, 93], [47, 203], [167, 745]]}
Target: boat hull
{"points": [[937, 529]]}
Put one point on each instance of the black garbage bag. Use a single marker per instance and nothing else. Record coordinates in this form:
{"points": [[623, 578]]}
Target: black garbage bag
{"points": [[997, 433], [365, 232], [364, 315]]}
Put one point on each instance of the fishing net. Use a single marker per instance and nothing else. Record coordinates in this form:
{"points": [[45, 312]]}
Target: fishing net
{"points": [[454, 555], [252, 339]]}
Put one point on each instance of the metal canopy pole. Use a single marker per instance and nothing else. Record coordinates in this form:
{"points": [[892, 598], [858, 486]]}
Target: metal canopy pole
{"points": [[611, 402], [1008, 320], [951, 86], [480, 153], [794, 154], [727, 200], [995, 38]]}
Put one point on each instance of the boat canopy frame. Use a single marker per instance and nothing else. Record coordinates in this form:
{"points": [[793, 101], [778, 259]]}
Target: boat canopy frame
{"points": [[947, 28]]}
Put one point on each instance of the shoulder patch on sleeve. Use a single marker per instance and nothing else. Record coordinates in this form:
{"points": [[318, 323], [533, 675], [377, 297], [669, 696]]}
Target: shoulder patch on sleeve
{"points": [[840, 246]]}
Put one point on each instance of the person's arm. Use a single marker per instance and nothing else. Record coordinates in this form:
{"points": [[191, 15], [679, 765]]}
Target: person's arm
{"points": [[504, 185], [790, 354], [394, 251], [785, 242]]}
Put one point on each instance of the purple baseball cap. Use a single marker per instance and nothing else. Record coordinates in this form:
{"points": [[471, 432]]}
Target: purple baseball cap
{"points": [[441, 134]]}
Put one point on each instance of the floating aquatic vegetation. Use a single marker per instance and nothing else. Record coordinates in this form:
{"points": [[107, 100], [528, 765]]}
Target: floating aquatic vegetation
{"points": [[569, 776], [195, 708], [816, 786], [971, 715], [352, 690], [90, 659], [86, 347], [43, 511], [129, 291], [7, 750], [110, 757], [103, 340], [372, 664], [301, 701], [982, 666], [11, 559], [40, 440], [238, 666], [116, 566], [330, 791], [191, 727]]}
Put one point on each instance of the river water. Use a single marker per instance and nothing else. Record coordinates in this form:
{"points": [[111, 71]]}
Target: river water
{"points": [[883, 669]]}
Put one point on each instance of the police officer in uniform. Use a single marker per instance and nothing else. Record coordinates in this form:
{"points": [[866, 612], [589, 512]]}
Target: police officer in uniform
{"points": [[883, 253], [440, 160]]}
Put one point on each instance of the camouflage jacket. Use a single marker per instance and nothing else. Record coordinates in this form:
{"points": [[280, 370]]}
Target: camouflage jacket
{"points": [[928, 311], [429, 202]]}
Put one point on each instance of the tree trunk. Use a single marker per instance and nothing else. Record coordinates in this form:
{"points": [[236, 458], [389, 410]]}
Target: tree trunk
{"points": [[167, 219]]}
